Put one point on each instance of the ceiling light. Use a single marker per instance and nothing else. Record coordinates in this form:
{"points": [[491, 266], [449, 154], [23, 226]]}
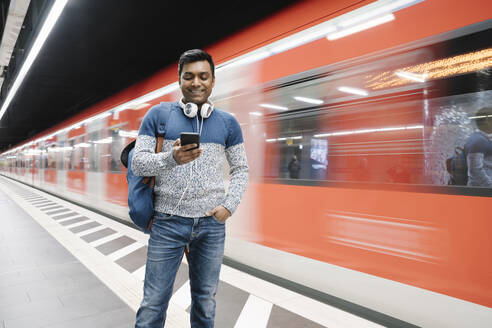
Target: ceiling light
{"points": [[55, 11], [255, 114], [274, 106], [309, 100], [355, 91], [360, 27], [412, 76]]}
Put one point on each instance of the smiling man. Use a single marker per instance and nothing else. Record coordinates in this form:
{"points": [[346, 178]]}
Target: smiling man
{"points": [[190, 200]]}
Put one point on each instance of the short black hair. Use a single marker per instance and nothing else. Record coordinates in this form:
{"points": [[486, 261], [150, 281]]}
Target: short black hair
{"points": [[486, 112], [194, 55]]}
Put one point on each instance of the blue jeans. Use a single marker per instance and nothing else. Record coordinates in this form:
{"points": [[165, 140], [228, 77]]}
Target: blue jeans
{"points": [[168, 237]]}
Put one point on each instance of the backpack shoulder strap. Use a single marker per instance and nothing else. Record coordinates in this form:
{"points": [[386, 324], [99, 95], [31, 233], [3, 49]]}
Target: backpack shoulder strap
{"points": [[164, 115], [161, 131], [163, 118]]}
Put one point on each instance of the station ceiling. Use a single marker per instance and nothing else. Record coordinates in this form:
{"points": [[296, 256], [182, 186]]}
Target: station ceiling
{"points": [[98, 48]]}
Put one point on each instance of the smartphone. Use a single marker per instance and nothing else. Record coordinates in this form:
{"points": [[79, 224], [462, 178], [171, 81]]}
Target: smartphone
{"points": [[190, 138]]}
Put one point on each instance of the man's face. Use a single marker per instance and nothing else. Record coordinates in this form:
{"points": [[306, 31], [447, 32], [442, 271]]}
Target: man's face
{"points": [[196, 82]]}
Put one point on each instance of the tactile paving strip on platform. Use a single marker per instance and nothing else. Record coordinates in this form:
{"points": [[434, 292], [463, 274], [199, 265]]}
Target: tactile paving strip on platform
{"points": [[235, 306]]}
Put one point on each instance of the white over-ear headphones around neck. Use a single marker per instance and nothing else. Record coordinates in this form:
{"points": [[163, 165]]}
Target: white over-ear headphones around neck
{"points": [[190, 109]]}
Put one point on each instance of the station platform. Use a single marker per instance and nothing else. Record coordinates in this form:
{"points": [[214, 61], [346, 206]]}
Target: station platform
{"points": [[62, 265]]}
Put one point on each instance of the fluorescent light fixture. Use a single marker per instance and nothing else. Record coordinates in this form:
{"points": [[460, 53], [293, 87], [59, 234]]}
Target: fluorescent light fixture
{"points": [[355, 91], [283, 138], [411, 127], [273, 106], [56, 10], [412, 76], [128, 134], [385, 9], [309, 100], [255, 113], [360, 27], [477, 117], [304, 38], [360, 131]]}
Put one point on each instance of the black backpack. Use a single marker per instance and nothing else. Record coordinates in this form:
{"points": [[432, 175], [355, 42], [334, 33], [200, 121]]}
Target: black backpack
{"points": [[457, 168]]}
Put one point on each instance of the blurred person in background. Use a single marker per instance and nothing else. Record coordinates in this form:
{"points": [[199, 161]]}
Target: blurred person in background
{"points": [[478, 150]]}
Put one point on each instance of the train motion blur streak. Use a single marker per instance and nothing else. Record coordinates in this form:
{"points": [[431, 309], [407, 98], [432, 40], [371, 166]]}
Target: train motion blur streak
{"points": [[365, 211]]}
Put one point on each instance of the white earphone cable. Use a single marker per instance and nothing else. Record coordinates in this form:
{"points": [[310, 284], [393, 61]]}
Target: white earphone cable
{"points": [[201, 128], [191, 169]]}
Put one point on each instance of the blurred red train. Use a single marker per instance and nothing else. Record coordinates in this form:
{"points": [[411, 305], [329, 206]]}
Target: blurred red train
{"points": [[349, 110]]}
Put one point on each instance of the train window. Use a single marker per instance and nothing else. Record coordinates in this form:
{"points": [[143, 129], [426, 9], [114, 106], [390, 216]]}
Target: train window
{"points": [[362, 123], [115, 147], [95, 151], [293, 152], [68, 155], [78, 159], [51, 157], [37, 159], [63, 155]]}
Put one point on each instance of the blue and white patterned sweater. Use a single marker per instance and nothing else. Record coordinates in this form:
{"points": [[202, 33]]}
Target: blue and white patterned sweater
{"points": [[221, 135]]}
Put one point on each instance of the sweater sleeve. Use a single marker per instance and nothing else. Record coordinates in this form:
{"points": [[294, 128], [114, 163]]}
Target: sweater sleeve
{"points": [[239, 171], [145, 162]]}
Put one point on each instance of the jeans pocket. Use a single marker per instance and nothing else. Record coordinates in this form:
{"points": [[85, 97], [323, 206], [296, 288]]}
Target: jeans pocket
{"points": [[217, 220]]}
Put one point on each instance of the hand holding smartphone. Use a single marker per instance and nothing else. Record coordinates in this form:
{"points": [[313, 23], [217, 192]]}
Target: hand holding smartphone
{"points": [[188, 138]]}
